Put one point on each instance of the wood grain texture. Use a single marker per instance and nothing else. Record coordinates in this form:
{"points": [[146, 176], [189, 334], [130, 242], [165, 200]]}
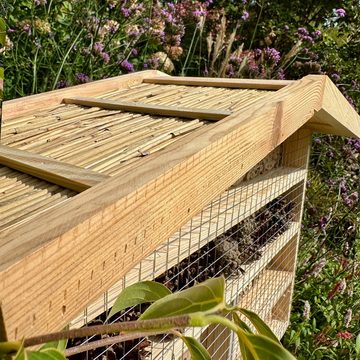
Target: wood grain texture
{"points": [[18, 107], [217, 82], [53, 171], [336, 115], [137, 107], [90, 242]]}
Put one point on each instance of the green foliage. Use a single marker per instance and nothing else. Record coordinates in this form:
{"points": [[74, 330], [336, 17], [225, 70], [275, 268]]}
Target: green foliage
{"points": [[260, 326], [196, 349], [46, 354], [139, 293], [202, 305], [202, 297]]}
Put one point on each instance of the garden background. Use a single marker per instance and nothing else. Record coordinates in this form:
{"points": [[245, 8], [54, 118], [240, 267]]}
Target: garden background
{"points": [[53, 44]]}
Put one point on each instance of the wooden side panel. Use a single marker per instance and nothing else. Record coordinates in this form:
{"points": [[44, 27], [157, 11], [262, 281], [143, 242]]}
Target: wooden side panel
{"points": [[87, 244]]}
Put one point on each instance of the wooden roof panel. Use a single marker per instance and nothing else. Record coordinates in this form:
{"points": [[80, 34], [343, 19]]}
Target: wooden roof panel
{"points": [[23, 196]]}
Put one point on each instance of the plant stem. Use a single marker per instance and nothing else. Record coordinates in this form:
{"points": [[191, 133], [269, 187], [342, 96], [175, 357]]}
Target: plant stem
{"points": [[257, 24], [183, 70], [65, 57], [162, 324], [108, 342]]}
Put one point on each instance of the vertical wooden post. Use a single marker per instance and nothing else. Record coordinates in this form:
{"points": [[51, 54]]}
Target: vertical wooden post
{"points": [[296, 154]]}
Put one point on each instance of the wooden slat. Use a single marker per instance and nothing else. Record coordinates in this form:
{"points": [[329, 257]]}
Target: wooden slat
{"points": [[22, 106], [143, 108], [53, 171], [216, 82]]}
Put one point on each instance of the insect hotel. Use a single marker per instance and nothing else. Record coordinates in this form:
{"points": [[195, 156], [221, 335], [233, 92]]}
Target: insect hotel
{"points": [[154, 177]]}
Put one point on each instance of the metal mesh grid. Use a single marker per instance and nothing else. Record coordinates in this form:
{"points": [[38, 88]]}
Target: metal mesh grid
{"points": [[248, 234]]}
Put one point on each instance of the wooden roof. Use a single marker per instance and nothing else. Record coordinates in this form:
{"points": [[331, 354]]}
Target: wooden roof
{"points": [[103, 139]]}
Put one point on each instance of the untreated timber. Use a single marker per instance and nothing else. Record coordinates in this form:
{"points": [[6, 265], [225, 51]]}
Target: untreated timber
{"points": [[216, 82], [92, 240], [143, 108], [53, 171], [18, 107], [335, 107]]}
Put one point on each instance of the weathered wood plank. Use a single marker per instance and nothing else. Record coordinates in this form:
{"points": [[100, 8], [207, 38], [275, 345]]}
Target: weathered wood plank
{"points": [[53, 171], [30, 104], [217, 82], [143, 108], [85, 245]]}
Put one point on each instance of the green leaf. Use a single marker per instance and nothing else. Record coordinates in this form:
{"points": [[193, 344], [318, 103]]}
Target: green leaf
{"points": [[196, 349], [263, 348], [139, 293], [59, 345], [245, 353], [259, 324], [46, 354], [2, 32], [202, 297], [357, 344]]}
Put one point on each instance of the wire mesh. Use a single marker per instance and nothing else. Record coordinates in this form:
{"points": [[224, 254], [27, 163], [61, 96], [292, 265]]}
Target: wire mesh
{"points": [[248, 234]]}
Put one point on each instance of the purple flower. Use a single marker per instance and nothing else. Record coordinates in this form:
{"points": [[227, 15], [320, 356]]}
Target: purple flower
{"points": [[134, 52], [126, 65], [335, 77], [354, 84], [199, 13], [272, 54], [245, 15], [302, 31], [106, 57], [317, 141], [62, 84], [281, 74], [40, 2], [125, 12], [82, 78], [340, 12], [98, 47], [316, 34]]}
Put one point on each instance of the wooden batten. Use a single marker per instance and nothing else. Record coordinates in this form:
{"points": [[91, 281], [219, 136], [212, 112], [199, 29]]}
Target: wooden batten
{"points": [[161, 110], [92, 240], [14, 108], [216, 82], [56, 172]]}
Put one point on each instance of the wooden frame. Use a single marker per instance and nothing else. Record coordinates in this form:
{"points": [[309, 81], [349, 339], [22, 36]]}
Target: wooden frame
{"points": [[99, 235]]}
